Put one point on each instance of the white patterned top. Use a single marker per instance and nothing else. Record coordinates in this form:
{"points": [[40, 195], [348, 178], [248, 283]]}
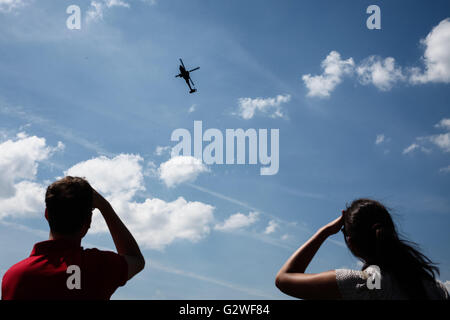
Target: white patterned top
{"points": [[362, 285]]}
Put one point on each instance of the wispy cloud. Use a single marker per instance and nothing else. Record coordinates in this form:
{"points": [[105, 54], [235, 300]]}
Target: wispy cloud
{"points": [[411, 148], [182, 272], [254, 209], [248, 107], [284, 237], [445, 169], [95, 11], [223, 197], [97, 8], [281, 222], [442, 140], [160, 150], [443, 124], [40, 233], [11, 5], [192, 108], [379, 139], [237, 221], [271, 227], [63, 132]]}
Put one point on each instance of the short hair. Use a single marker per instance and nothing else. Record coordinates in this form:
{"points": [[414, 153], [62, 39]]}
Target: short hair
{"points": [[69, 205]]}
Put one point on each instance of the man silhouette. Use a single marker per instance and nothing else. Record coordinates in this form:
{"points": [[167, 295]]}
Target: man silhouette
{"points": [[60, 268]]}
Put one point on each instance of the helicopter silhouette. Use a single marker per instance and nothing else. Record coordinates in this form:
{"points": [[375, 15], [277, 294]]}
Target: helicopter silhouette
{"points": [[185, 75]]}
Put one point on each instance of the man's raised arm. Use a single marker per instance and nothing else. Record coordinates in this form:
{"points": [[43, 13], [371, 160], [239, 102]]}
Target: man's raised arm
{"points": [[124, 241]]}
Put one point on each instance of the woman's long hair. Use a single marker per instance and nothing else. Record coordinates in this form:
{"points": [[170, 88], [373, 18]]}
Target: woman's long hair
{"points": [[372, 236]]}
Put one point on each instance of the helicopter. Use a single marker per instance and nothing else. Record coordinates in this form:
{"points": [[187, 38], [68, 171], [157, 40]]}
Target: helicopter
{"points": [[185, 75]]}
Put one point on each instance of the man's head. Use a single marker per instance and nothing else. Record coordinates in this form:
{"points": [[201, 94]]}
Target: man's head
{"points": [[69, 206]]}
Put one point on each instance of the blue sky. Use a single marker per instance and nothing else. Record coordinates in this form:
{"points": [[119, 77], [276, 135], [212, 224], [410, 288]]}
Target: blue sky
{"points": [[374, 124]]}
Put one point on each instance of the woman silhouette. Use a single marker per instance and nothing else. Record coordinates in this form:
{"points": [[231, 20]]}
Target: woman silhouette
{"points": [[393, 268]]}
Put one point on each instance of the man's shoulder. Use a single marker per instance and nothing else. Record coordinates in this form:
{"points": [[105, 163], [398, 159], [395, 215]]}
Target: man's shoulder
{"points": [[99, 252], [18, 271], [104, 255], [21, 265], [110, 264]]}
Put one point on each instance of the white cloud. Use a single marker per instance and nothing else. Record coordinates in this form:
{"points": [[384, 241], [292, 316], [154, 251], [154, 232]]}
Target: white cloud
{"points": [[181, 169], [97, 8], [445, 169], [121, 176], [334, 68], [151, 2], [151, 170], [436, 57], [237, 221], [116, 3], [271, 227], [443, 124], [160, 150], [19, 160], [447, 285], [192, 108], [27, 201], [157, 223], [284, 237], [384, 73], [20, 196], [154, 222], [379, 139], [95, 12], [415, 146], [381, 73], [60, 146], [442, 141], [10, 5], [271, 106]]}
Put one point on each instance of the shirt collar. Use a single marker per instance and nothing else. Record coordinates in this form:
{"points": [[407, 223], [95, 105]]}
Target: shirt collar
{"points": [[55, 245]]}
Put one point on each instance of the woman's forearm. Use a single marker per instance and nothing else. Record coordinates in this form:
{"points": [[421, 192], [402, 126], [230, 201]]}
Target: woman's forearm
{"points": [[301, 258], [292, 279]]}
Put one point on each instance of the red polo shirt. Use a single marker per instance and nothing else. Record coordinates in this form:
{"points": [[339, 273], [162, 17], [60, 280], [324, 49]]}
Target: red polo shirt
{"points": [[43, 275]]}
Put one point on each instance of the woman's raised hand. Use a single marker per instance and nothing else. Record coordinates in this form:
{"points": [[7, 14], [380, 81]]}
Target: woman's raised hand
{"points": [[335, 226]]}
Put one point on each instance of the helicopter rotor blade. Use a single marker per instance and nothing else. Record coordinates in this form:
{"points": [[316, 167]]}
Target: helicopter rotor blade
{"points": [[182, 63], [194, 69], [192, 81]]}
